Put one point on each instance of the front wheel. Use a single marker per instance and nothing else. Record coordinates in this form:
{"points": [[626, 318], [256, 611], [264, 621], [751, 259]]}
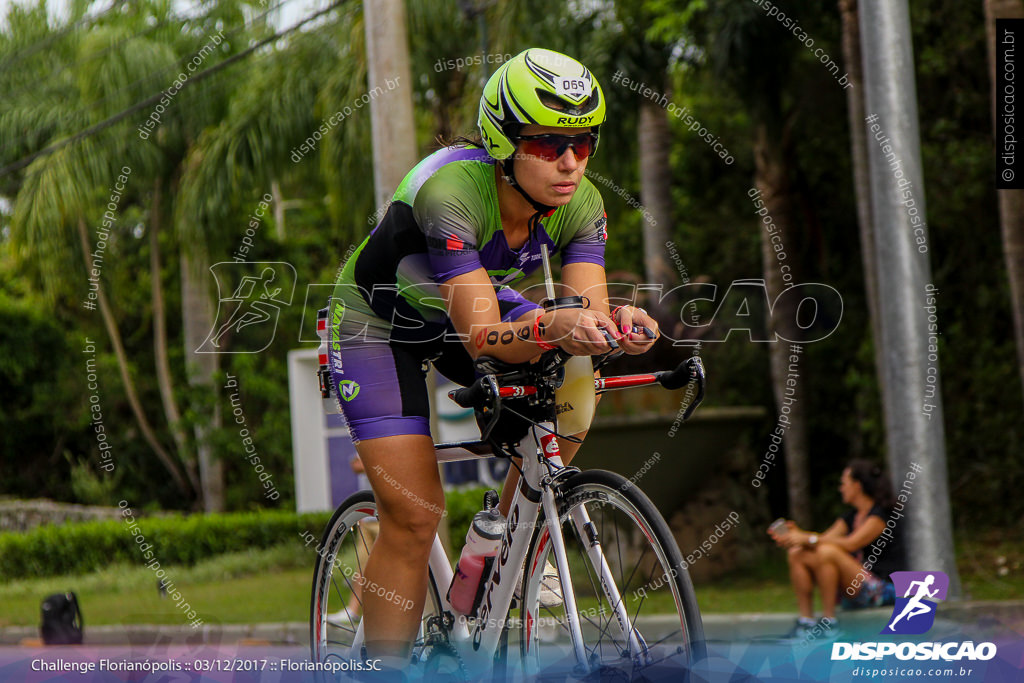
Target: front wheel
{"points": [[636, 605]]}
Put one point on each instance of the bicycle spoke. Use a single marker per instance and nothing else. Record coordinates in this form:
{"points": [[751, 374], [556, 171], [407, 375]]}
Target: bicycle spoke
{"points": [[620, 580], [662, 640]]}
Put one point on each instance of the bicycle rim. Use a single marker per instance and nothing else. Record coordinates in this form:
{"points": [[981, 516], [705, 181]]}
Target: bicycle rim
{"points": [[336, 633], [656, 632]]}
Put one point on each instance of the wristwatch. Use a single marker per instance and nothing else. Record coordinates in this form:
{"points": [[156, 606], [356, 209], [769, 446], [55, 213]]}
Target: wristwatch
{"points": [[812, 540]]}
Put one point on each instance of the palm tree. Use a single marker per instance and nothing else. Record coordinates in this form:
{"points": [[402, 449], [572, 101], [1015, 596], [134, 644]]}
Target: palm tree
{"points": [[754, 59], [647, 61], [59, 195], [122, 60]]}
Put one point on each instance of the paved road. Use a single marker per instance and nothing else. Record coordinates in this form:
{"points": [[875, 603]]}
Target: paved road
{"points": [[741, 647]]}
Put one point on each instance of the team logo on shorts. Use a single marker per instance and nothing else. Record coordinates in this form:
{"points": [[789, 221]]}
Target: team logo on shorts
{"points": [[348, 390], [914, 613]]}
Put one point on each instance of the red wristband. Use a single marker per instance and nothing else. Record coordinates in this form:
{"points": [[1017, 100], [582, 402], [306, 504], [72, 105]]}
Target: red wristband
{"points": [[536, 335], [616, 310]]}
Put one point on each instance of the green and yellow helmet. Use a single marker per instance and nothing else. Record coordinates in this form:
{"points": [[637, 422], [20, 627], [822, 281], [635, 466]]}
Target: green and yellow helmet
{"points": [[537, 86]]}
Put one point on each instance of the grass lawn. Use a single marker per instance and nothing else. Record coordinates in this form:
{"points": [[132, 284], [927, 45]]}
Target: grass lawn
{"points": [[250, 587], [273, 585]]}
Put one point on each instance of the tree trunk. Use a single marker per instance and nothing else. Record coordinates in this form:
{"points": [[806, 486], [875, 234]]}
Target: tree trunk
{"points": [[392, 121], [275, 192], [122, 363], [1011, 202], [198, 317], [163, 367], [655, 140], [861, 174], [772, 179]]}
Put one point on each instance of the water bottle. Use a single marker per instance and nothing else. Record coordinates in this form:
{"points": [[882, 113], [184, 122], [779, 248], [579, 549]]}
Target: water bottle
{"points": [[576, 398], [483, 540]]}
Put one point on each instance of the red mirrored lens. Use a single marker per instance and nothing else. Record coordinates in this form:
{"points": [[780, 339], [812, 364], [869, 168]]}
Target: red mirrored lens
{"points": [[551, 147]]}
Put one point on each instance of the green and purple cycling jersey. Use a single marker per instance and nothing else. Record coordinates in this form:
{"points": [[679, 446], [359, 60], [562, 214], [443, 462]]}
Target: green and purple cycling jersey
{"points": [[444, 221]]}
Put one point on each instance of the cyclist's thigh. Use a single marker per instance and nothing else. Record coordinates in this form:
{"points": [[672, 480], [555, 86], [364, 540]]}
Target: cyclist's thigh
{"points": [[383, 395], [381, 389], [406, 482]]}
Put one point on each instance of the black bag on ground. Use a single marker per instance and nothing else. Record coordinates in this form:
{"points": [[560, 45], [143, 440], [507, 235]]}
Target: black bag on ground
{"points": [[62, 620]]}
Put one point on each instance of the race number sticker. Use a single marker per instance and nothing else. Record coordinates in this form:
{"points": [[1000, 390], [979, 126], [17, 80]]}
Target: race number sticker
{"points": [[575, 88]]}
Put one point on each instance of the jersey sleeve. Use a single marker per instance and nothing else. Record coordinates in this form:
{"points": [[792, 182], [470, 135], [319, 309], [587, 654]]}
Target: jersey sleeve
{"points": [[449, 214], [587, 226]]}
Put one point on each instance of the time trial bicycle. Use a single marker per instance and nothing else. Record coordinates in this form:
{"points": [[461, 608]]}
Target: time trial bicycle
{"points": [[628, 607]]}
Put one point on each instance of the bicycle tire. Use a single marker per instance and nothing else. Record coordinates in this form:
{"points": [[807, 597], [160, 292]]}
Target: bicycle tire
{"points": [[333, 560], [619, 511]]}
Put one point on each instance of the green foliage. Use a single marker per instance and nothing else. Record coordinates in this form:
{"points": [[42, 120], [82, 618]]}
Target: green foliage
{"points": [[223, 142], [83, 548], [461, 506]]}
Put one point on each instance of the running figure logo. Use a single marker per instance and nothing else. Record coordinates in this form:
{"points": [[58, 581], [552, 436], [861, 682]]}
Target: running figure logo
{"points": [[247, 319], [914, 613]]}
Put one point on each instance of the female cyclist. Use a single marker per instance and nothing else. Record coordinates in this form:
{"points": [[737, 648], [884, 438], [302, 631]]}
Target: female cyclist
{"points": [[432, 283]]}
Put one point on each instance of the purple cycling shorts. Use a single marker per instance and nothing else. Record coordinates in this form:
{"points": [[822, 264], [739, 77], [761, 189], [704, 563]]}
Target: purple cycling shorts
{"points": [[381, 383]]}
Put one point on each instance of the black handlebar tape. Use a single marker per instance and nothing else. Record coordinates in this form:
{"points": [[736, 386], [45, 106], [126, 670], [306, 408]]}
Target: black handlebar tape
{"points": [[611, 340], [471, 396], [637, 329]]}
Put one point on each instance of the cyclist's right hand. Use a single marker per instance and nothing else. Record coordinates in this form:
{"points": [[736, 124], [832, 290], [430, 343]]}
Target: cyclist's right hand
{"points": [[579, 331]]}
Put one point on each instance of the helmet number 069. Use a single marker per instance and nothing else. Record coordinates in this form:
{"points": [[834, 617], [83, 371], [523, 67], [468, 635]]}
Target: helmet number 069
{"points": [[573, 87]]}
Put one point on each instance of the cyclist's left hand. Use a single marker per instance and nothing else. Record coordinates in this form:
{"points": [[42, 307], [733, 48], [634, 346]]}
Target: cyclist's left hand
{"points": [[635, 341]]}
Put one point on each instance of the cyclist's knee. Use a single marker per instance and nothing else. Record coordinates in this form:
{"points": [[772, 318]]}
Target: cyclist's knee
{"points": [[413, 521]]}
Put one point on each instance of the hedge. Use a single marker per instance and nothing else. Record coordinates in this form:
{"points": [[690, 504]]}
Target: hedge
{"points": [[80, 548], [85, 547]]}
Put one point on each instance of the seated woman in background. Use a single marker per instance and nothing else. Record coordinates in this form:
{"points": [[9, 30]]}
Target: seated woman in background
{"points": [[853, 558]]}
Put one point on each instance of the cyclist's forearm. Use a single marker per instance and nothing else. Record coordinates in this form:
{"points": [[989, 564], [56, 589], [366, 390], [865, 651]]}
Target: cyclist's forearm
{"points": [[512, 342]]}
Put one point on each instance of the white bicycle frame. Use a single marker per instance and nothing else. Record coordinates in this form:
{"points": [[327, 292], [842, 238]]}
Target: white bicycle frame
{"points": [[477, 642]]}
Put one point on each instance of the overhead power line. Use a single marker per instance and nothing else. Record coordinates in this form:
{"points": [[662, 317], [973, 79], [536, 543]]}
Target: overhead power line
{"points": [[33, 48], [70, 115], [96, 55], [153, 99]]}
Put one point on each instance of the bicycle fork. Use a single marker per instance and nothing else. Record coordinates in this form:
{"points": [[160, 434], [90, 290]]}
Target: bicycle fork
{"points": [[586, 532]]}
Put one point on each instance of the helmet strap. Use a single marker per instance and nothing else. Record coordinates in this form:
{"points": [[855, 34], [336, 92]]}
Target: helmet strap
{"points": [[509, 174]]}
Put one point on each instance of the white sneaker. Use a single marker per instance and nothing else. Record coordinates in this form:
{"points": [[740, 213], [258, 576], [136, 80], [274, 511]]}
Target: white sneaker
{"points": [[550, 588], [343, 618]]}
